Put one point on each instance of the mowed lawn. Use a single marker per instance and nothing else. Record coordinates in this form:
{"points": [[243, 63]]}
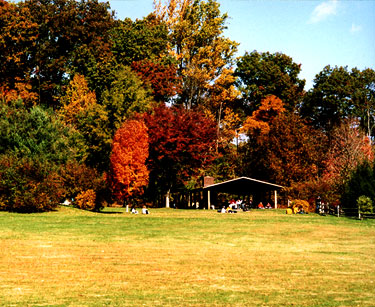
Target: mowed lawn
{"points": [[185, 258]]}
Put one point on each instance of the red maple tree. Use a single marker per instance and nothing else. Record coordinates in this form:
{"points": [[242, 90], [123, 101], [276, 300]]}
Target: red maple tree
{"points": [[163, 79], [182, 143], [128, 172]]}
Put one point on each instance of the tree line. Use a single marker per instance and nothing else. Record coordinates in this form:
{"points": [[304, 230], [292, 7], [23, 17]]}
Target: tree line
{"points": [[99, 109]]}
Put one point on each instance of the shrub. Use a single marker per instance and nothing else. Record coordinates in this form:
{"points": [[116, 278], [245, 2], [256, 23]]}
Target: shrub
{"points": [[86, 200], [297, 204], [364, 204], [34, 146], [78, 177], [28, 186]]}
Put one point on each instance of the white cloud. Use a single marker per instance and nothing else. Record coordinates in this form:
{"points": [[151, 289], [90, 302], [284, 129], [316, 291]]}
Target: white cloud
{"points": [[323, 10], [355, 28]]}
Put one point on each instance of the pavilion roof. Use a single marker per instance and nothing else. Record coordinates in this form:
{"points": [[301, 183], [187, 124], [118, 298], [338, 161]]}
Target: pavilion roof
{"points": [[242, 186]]}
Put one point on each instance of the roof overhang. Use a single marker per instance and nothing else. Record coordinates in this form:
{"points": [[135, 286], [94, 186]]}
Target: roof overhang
{"points": [[243, 186]]}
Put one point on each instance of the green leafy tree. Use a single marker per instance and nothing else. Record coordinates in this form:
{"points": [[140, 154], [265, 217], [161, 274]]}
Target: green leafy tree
{"points": [[125, 97], [144, 39], [362, 182], [330, 100], [261, 74], [93, 124], [364, 99], [34, 146]]}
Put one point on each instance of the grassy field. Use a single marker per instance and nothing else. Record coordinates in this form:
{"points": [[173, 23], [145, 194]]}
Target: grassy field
{"points": [[185, 258]]}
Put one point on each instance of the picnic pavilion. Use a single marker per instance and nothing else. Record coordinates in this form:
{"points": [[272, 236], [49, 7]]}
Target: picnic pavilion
{"points": [[206, 196]]}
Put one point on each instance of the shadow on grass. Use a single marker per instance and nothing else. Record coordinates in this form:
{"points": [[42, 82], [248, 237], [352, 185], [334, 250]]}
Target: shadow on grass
{"points": [[109, 212]]}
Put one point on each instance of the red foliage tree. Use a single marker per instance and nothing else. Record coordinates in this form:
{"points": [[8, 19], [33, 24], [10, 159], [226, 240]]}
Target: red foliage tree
{"points": [[349, 148], [181, 144], [293, 150], [163, 79], [128, 172]]}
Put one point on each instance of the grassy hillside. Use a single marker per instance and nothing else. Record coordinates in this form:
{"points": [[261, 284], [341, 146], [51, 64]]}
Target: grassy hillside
{"points": [[185, 258]]}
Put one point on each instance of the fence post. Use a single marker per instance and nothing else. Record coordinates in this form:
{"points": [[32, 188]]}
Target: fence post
{"points": [[338, 210]]}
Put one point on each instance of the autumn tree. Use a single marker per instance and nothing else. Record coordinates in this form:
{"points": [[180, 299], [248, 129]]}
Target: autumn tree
{"points": [[348, 149], [21, 91], [81, 111], [128, 172], [281, 147], [261, 74], [221, 107], [68, 35], [161, 78], [77, 98], [261, 119], [182, 144], [294, 150], [18, 34], [197, 43]]}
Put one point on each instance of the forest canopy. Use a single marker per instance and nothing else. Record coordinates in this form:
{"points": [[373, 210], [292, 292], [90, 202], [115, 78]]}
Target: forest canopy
{"points": [[82, 94]]}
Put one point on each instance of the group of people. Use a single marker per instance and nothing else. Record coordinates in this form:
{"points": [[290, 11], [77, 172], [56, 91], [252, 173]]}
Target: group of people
{"points": [[135, 211], [233, 206], [261, 206], [321, 207]]}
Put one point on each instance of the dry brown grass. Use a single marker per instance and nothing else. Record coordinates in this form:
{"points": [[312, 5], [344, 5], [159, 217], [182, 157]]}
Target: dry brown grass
{"points": [[185, 258]]}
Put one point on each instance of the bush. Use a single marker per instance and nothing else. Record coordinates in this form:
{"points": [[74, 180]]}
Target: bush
{"points": [[78, 177], [86, 200], [34, 146], [364, 204], [28, 186], [297, 204]]}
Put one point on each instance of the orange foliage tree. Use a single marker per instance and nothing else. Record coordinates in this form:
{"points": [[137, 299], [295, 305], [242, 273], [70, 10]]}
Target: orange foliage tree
{"points": [[281, 147], [128, 173], [259, 121]]}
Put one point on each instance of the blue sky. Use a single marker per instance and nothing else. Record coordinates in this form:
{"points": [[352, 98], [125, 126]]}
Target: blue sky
{"points": [[313, 33]]}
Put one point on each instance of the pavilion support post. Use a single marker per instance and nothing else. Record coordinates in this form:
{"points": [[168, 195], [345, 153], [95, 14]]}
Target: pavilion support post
{"points": [[208, 199], [167, 199], [275, 199]]}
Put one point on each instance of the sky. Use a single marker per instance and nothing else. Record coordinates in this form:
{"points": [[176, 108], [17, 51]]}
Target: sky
{"points": [[314, 33]]}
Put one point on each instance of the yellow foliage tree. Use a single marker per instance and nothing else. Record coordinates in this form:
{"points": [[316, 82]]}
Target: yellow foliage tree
{"points": [[78, 98], [198, 45], [218, 102]]}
